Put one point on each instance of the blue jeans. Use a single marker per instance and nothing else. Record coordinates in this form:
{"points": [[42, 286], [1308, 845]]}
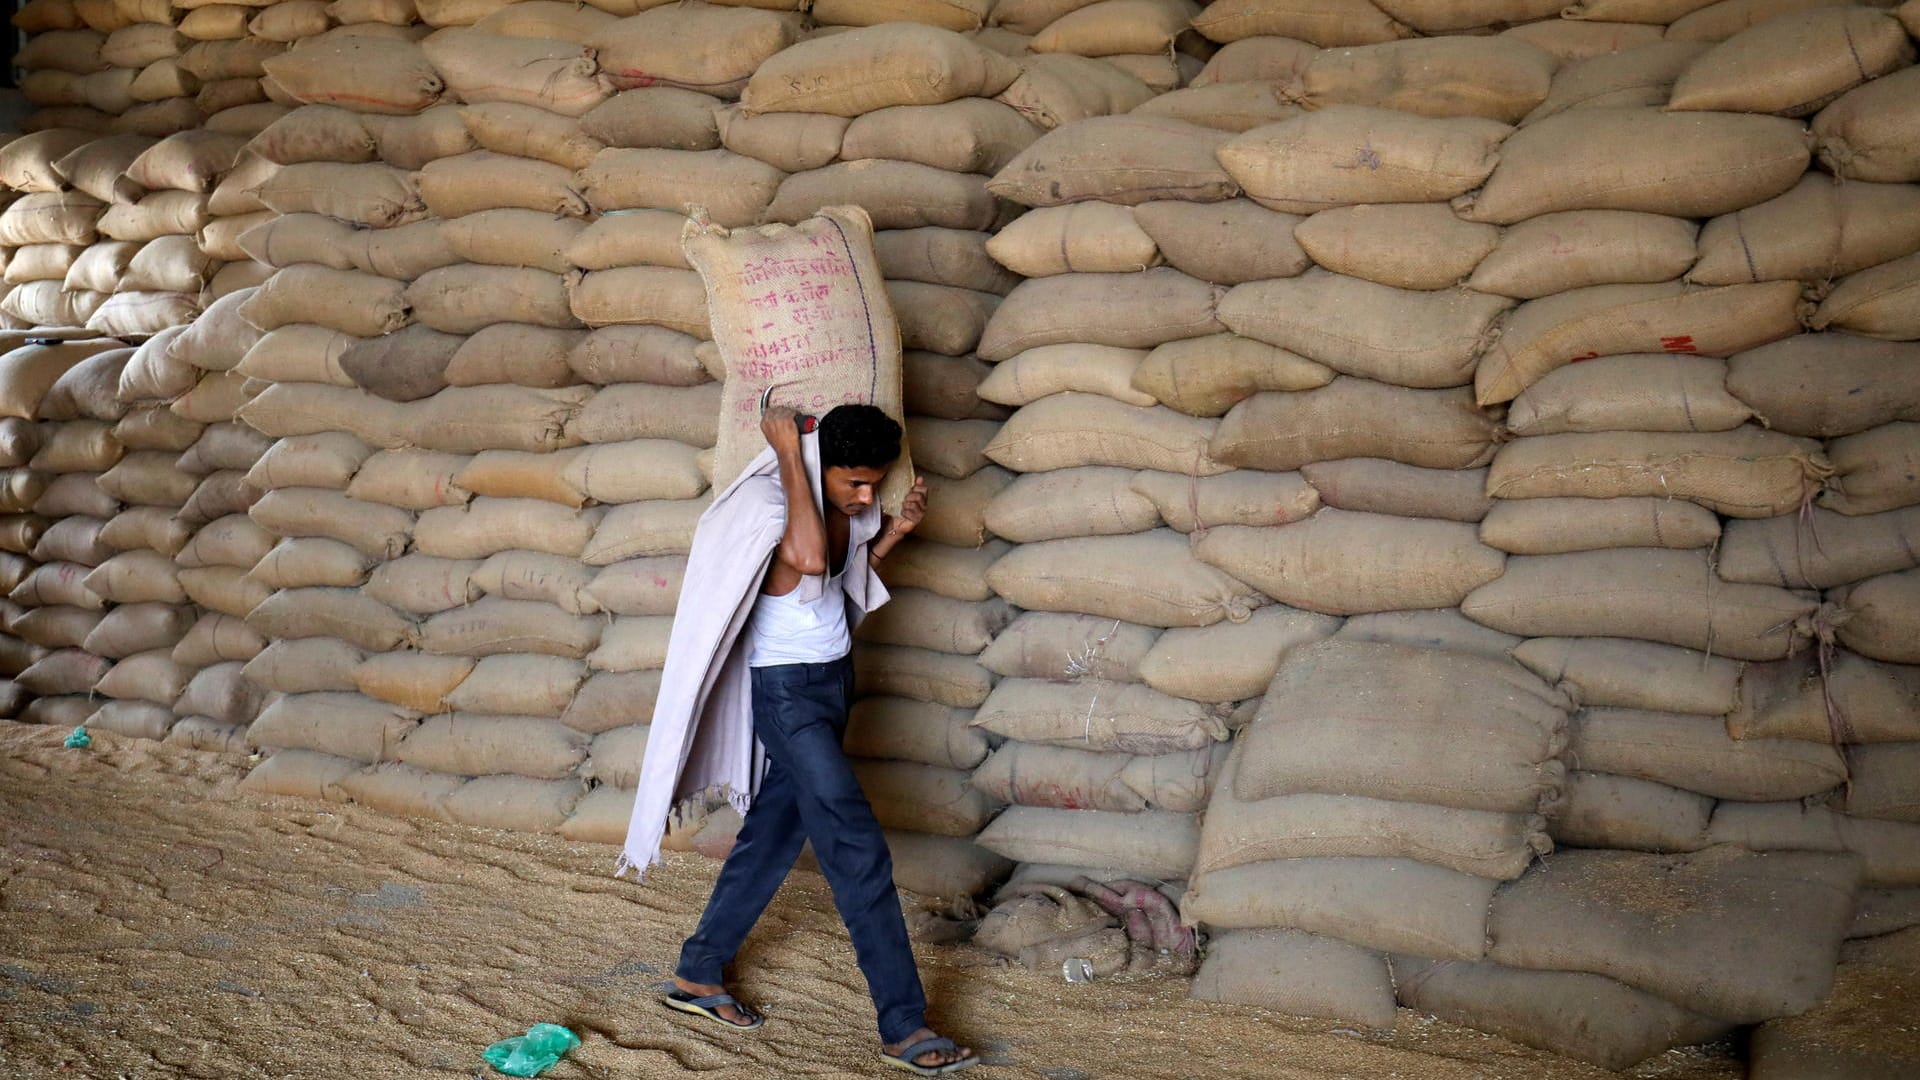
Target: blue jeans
{"points": [[809, 793]]}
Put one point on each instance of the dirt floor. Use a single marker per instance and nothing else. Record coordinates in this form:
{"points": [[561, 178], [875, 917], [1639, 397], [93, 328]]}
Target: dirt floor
{"points": [[154, 922]]}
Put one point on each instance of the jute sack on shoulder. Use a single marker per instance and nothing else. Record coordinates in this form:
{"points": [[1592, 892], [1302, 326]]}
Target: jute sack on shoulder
{"points": [[1389, 722], [835, 342]]}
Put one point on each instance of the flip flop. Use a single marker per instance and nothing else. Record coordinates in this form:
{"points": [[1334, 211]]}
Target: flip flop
{"points": [[904, 1059], [709, 1007]]}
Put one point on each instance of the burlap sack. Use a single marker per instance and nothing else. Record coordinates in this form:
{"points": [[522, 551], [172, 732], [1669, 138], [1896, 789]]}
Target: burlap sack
{"points": [[372, 194], [346, 614], [479, 66], [1483, 843], [1816, 231], [611, 699], [1229, 662], [629, 237], [649, 585], [1605, 811], [1882, 785], [1234, 107], [1085, 501], [1434, 429], [1419, 339], [1746, 473], [709, 48], [136, 628], [1551, 526], [1634, 674], [1867, 133], [514, 237], [1389, 487], [1242, 497], [1207, 376], [1123, 160], [1877, 302], [1646, 392], [1150, 578], [1696, 754], [641, 295], [790, 142], [1648, 594], [1826, 384], [1308, 163], [530, 131], [66, 671], [756, 356], [409, 479], [1068, 779], [971, 135], [485, 526], [1385, 733], [1377, 903], [924, 798], [1054, 89], [921, 674], [492, 626], [1128, 717], [485, 745], [361, 72], [733, 189], [1606, 320], [469, 419], [1299, 974], [895, 194], [519, 685], [517, 354], [1793, 65], [423, 584], [1444, 629], [1853, 700], [1619, 159], [1129, 311], [1496, 78], [662, 116], [1326, 25], [1641, 76], [1069, 430], [900, 729], [928, 620], [648, 529], [380, 532], [537, 575], [1820, 549], [1154, 843], [898, 64], [1053, 369], [411, 680], [1093, 237], [1408, 246], [151, 527], [305, 561], [1050, 645], [483, 180]]}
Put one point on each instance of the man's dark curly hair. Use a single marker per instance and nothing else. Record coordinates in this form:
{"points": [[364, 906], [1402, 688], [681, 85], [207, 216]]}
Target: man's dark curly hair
{"points": [[858, 437]]}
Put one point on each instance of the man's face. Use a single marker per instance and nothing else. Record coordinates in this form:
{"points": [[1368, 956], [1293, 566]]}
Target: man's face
{"points": [[850, 489]]}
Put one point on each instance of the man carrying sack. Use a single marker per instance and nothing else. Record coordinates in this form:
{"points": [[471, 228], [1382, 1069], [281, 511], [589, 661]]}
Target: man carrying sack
{"points": [[758, 681]]}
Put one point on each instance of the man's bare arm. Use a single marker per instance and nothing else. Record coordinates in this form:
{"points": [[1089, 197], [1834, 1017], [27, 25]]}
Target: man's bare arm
{"points": [[803, 546]]}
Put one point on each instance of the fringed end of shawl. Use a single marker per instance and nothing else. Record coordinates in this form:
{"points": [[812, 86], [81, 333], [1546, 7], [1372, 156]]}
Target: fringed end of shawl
{"points": [[639, 858]]}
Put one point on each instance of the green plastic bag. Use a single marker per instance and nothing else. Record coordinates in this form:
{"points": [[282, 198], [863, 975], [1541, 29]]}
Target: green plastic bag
{"points": [[79, 740], [532, 1053]]}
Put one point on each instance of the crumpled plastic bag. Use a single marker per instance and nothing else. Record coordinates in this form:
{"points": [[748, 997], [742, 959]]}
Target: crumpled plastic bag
{"points": [[78, 740], [532, 1053]]}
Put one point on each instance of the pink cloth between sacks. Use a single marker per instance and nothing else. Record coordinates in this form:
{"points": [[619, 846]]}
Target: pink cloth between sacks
{"points": [[701, 741]]}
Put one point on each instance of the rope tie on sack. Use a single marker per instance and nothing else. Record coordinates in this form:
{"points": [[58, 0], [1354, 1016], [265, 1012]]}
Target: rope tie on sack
{"points": [[1821, 627]]}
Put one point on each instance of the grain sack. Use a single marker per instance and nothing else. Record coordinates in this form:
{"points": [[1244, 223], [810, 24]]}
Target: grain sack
{"points": [[1876, 470], [614, 758], [1826, 384], [1696, 754], [73, 493], [346, 614], [1229, 662], [1327, 25], [55, 627], [1229, 107], [486, 525], [1155, 843], [1207, 376], [790, 142], [1439, 628], [162, 213], [1882, 783], [1746, 473], [627, 237], [73, 539], [410, 479], [662, 116], [479, 66], [708, 48], [464, 299], [1131, 311], [64, 671], [327, 460], [1090, 501], [924, 798], [937, 256], [734, 190], [651, 528], [300, 562], [607, 700], [1634, 674], [483, 180], [869, 372], [921, 674], [466, 420], [405, 365], [1437, 429], [1603, 811], [1241, 497], [1543, 335], [519, 684], [1376, 903], [895, 194], [1491, 77], [1853, 700], [1618, 159], [1868, 134], [1820, 229], [147, 478], [348, 301], [1819, 549], [424, 585], [304, 773], [514, 237], [1287, 971], [1588, 1017], [1478, 842], [1834, 1039], [642, 586], [901, 729], [971, 135], [1880, 617], [1640, 76], [655, 295], [393, 788], [492, 626], [347, 725], [1406, 245], [379, 532], [1150, 578], [1227, 242], [515, 802], [1388, 487], [481, 745], [1126, 717], [361, 72], [1646, 392], [135, 577], [225, 589], [515, 353], [530, 131], [151, 527], [188, 161], [1647, 594], [929, 621], [1069, 430], [1085, 237], [901, 64], [52, 217], [305, 665], [1053, 89], [1308, 163], [1419, 339], [940, 318], [1123, 160], [1048, 645], [1397, 740], [1877, 302], [1052, 369], [1696, 946], [1552, 526], [1794, 64]]}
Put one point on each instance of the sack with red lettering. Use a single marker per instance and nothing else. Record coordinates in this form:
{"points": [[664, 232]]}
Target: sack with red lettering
{"points": [[803, 309]]}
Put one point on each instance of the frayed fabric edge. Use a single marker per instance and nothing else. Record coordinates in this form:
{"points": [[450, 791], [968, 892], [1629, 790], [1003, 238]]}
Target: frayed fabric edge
{"points": [[678, 814]]}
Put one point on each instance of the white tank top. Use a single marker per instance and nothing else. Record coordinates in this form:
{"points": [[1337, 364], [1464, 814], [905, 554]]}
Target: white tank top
{"points": [[788, 630]]}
